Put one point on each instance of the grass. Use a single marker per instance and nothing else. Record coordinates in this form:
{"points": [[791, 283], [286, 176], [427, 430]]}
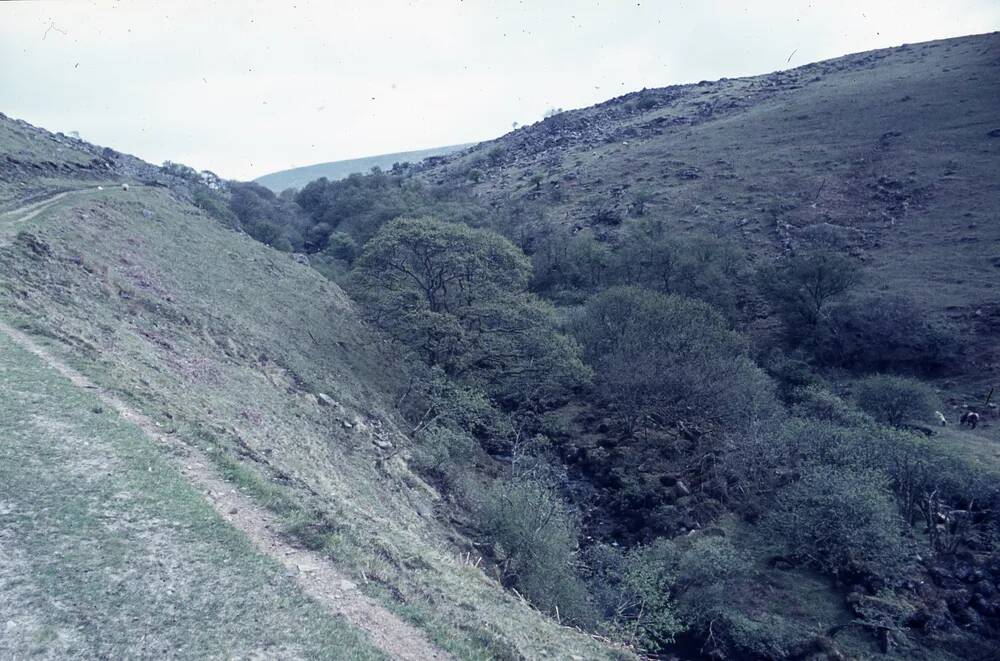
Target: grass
{"points": [[226, 343], [108, 552]]}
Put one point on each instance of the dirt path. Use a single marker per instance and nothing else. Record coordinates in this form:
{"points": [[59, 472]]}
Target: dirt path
{"points": [[315, 574], [29, 211]]}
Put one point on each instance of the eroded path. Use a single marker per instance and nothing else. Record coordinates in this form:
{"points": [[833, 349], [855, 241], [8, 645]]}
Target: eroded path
{"points": [[314, 573]]}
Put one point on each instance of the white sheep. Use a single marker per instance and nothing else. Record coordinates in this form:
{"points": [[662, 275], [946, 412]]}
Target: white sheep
{"points": [[941, 419], [125, 187]]}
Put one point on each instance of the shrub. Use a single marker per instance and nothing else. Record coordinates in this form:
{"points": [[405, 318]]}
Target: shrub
{"points": [[841, 522], [816, 402], [651, 593], [894, 400], [534, 536], [879, 332], [666, 356]]}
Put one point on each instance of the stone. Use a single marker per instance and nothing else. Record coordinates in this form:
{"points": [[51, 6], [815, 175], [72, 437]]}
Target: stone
{"points": [[325, 399]]}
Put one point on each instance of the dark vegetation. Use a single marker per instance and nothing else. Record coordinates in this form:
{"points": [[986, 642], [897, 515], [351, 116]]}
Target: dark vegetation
{"points": [[663, 419]]}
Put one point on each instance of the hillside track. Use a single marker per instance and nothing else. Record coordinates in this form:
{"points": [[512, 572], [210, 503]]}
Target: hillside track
{"points": [[314, 573], [10, 220]]}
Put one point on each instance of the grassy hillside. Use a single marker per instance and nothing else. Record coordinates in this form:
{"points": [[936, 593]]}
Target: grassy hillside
{"points": [[299, 177], [893, 152], [255, 360], [109, 552]]}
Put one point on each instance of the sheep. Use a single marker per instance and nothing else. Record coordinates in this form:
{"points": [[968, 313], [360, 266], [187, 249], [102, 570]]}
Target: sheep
{"points": [[941, 419], [125, 187]]}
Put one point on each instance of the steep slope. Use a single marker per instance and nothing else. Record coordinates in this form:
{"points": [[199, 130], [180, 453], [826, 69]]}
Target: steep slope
{"points": [[892, 152], [248, 357], [299, 177]]}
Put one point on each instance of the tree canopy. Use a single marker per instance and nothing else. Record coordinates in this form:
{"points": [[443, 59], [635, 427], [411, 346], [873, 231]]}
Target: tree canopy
{"points": [[458, 297]]}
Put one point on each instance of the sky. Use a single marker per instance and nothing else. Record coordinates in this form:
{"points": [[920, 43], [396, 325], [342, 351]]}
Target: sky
{"points": [[247, 88]]}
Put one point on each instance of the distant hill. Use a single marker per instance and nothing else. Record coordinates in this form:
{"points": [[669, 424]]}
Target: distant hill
{"points": [[299, 177]]}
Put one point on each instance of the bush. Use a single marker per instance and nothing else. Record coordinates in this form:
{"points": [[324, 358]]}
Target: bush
{"points": [[801, 287], [818, 403], [894, 400], [633, 591], [657, 355], [458, 297], [881, 332], [651, 593], [842, 522], [534, 536]]}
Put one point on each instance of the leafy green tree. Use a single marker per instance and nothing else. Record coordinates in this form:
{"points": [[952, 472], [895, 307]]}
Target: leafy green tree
{"points": [[802, 286], [703, 267], [341, 246], [895, 400], [458, 297]]}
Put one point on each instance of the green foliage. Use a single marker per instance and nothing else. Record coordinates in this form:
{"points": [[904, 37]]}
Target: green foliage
{"points": [[895, 400], [841, 522], [885, 332], [699, 267], [651, 593], [267, 218], [534, 536], [569, 266], [816, 402], [657, 355], [801, 288], [214, 205], [341, 246], [457, 296], [633, 591]]}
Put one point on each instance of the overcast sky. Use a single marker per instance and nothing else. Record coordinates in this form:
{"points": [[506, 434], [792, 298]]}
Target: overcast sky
{"points": [[247, 88]]}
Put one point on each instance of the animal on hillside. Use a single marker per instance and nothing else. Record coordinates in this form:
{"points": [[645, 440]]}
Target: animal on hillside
{"points": [[125, 187], [941, 419], [969, 419]]}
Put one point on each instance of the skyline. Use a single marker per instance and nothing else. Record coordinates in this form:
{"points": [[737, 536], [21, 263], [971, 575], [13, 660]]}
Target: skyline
{"points": [[245, 89]]}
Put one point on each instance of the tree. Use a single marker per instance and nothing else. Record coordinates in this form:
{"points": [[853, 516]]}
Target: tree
{"points": [[802, 286], [534, 537], [885, 331], [458, 297], [656, 355], [894, 400], [842, 522]]}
